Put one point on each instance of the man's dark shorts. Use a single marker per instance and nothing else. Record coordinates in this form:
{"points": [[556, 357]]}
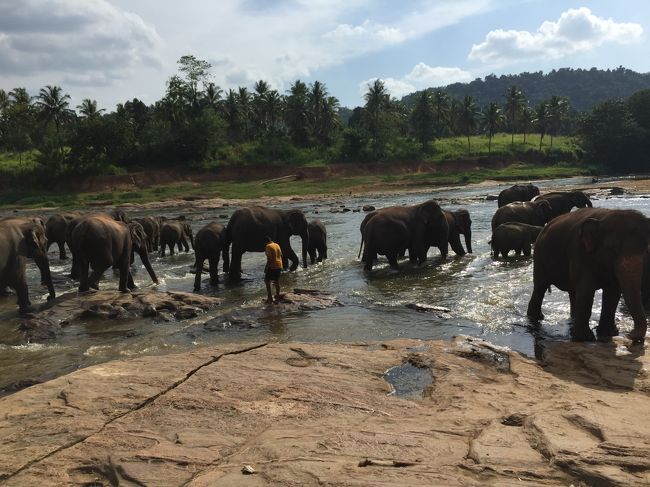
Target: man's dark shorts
{"points": [[272, 275]]}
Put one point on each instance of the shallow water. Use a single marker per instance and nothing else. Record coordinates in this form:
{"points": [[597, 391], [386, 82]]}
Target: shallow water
{"points": [[486, 298]]}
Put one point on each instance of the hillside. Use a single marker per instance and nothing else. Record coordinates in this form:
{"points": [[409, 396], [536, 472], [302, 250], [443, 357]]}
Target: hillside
{"points": [[583, 87]]}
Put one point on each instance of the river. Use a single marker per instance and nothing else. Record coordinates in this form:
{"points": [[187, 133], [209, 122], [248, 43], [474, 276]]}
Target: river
{"points": [[485, 297]]}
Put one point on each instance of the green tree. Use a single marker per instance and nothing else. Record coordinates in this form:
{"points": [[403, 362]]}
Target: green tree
{"points": [[323, 116], [527, 121], [233, 117], [468, 118], [423, 119], [441, 110], [491, 119], [514, 104], [558, 110], [19, 121], [88, 108], [542, 119], [376, 108]]}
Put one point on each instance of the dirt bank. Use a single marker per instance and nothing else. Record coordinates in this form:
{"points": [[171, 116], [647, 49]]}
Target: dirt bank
{"points": [[306, 414]]}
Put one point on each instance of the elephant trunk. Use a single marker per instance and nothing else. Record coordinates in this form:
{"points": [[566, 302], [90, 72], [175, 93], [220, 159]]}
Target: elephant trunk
{"points": [[305, 246], [629, 273], [468, 241], [144, 257], [44, 266]]}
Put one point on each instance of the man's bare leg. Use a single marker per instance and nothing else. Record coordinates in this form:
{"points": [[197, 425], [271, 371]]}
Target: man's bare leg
{"points": [[269, 296], [277, 291]]}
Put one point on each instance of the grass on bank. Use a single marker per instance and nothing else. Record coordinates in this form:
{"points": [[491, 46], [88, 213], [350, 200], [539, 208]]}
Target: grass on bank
{"points": [[253, 189]]}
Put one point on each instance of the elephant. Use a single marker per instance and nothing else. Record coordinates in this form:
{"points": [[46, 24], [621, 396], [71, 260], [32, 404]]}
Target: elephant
{"points": [[564, 201], [391, 231], [55, 228], [99, 241], [590, 249], [536, 213], [151, 226], [459, 223], [248, 229], [18, 242], [518, 192], [317, 241], [119, 215], [174, 232], [209, 243], [514, 236]]}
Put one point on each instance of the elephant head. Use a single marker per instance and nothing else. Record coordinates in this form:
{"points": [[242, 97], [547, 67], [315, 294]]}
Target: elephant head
{"points": [[543, 210], [297, 224], [532, 190], [139, 245], [580, 200], [36, 248], [432, 229], [621, 241], [464, 225], [187, 228]]}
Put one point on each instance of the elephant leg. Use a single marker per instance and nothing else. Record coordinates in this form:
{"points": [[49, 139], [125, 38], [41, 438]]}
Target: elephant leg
{"points": [[291, 255], [130, 283], [370, 256], [312, 255], [226, 259], [607, 325], [171, 248], [198, 264], [22, 294], [518, 252], [162, 249], [62, 254], [584, 301], [214, 270], [125, 276], [186, 246], [540, 285], [75, 269], [235, 263], [322, 253], [456, 246], [95, 276], [82, 270], [527, 250], [572, 305], [392, 260]]}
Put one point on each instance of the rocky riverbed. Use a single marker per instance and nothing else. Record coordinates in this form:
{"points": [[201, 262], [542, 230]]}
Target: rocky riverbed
{"points": [[325, 414]]}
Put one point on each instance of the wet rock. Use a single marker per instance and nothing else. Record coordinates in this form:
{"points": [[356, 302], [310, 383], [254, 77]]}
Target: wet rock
{"points": [[223, 215], [335, 210], [356, 210], [616, 191], [345, 210], [423, 307], [39, 328], [483, 351], [491, 197], [368, 208], [186, 312]]}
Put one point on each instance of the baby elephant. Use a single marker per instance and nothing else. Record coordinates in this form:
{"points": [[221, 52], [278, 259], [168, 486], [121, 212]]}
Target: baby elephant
{"points": [[514, 236], [209, 244], [174, 232], [317, 241]]}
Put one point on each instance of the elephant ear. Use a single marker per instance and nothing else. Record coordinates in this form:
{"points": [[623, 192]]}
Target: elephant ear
{"points": [[590, 234], [428, 210], [138, 237], [544, 209], [297, 222], [34, 239], [187, 228]]}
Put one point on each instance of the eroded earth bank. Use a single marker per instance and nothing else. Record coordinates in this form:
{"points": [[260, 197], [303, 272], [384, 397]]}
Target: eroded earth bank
{"points": [[465, 413]]}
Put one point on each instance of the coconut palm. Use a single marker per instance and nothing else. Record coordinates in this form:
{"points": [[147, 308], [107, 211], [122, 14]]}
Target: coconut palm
{"points": [[245, 110], [441, 110], [467, 118], [296, 114], [514, 103], [558, 109], [88, 108], [377, 104], [323, 113], [492, 118], [212, 96], [542, 117], [423, 118], [233, 115], [52, 106], [20, 96], [526, 120]]}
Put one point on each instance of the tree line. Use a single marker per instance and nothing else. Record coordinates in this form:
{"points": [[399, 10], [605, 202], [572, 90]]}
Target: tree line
{"points": [[196, 123]]}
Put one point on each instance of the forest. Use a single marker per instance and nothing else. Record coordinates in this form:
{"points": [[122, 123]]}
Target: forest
{"points": [[197, 125]]}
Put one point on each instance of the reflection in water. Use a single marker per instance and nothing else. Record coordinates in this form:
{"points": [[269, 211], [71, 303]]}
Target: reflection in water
{"points": [[486, 298]]}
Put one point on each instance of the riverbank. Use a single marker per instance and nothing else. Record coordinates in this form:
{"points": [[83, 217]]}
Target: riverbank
{"points": [[464, 413], [248, 183]]}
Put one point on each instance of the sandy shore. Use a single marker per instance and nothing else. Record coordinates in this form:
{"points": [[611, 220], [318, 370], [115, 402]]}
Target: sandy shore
{"points": [[321, 414]]}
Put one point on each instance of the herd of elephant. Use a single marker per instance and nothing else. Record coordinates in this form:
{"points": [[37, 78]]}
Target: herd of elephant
{"points": [[577, 251]]}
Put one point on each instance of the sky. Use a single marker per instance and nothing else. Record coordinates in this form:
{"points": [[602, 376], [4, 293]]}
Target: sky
{"points": [[115, 50]]}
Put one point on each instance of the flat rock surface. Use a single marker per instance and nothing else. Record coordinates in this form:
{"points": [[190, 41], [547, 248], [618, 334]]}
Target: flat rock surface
{"points": [[322, 414]]}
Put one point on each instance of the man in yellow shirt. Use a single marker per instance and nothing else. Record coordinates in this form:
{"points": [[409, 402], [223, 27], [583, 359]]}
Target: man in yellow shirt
{"points": [[272, 269]]}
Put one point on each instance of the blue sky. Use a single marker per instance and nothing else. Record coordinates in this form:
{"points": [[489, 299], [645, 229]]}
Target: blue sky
{"points": [[113, 50]]}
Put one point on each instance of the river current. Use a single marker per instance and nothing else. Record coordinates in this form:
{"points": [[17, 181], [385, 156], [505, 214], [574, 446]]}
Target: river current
{"points": [[485, 297]]}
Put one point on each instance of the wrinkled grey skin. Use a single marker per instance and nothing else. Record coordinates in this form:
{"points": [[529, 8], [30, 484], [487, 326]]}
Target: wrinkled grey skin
{"points": [[394, 230], [173, 233], [517, 192], [19, 242], [536, 213], [209, 243], [590, 249], [460, 223], [564, 201], [519, 237], [55, 228], [99, 242], [317, 241], [248, 228]]}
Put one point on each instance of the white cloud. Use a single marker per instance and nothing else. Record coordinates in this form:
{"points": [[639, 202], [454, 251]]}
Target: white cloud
{"points": [[421, 76], [577, 30], [83, 41]]}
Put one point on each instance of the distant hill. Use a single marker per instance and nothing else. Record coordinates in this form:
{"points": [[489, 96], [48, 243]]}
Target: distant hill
{"points": [[584, 87]]}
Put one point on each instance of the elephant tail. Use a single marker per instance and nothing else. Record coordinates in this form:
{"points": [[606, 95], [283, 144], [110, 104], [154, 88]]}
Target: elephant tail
{"points": [[360, 248]]}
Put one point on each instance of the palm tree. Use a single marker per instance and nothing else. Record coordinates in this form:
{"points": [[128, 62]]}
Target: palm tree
{"points": [[514, 102], [423, 118], [323, 113], [492, 119], [4, 101], [296, 116], [53, 105], [542, 118], [233, 115], [377, 103], [441, 109], [467, 118], [274, 109], [20, 96], [526, 120], [212, 96], [558, 109], [260, 117], [88, 108], [245, 110]]}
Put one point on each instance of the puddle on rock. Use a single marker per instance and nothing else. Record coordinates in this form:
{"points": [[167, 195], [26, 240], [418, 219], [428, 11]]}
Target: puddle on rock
{"points": [[408, 381]]}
